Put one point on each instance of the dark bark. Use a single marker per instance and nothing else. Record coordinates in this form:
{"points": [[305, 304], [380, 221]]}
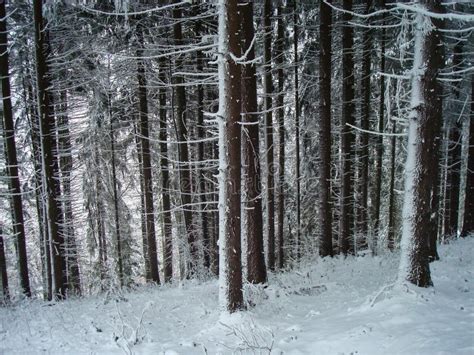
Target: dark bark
{"points": [[182, 132], [256, 269], [165, 180], [146, 160], [453, 174], [66, 166], [200, 136], [232, 96], [297, 134], [325, 209], [364, 137], [5, 295], [11, 159], [268, 89], [346, 232], [281, 133], [49, 162], [379, 139], [391, 191], [468, 222], [426, 121]]}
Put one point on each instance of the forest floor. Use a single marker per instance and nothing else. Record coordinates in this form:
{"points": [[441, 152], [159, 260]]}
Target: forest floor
{"points": [[328, 306]]}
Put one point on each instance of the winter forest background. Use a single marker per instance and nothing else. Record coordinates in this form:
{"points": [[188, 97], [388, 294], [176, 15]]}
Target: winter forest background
{"points": [[178, 143]]}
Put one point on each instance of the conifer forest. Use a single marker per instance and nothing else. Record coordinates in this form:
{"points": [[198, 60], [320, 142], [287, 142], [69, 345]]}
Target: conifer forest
{"points": [[237, 177]]}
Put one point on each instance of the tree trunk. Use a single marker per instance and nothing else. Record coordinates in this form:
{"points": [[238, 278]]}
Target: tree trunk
{"points": [[379, 139], [281, 134], [256, 270], [165, 180], [346, 244], [49, 162], [423, 132], [268, 88], [5, 296], [453, 174], [182, 132], [230, 156], [325, 210], [66, 166], [468, 223], [297, 134], [391, 199], [146, 160], [11, 159], [364, 137]]}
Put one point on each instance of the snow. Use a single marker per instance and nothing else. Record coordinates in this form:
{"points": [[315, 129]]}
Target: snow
{"points": [[326, 306]]}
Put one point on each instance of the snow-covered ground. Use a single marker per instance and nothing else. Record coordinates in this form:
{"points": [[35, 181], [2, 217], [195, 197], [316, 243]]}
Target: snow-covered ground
{"points": [[332, 306]]}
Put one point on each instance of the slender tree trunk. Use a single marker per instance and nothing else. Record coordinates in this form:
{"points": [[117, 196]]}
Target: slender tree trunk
{"points": [[468, 223], [364, 137], [325, 210], [66, 166], [453, 174], [391, 199], [230, 155], [5, 296], [11, 159], [184, 169], [346, 244], [146, 160], [268, 88], [297, 134], [49, 162], [423, 132], [165, 180], [201, 180], [281, 134], [257, 272], [142, 204], [379, 139]]}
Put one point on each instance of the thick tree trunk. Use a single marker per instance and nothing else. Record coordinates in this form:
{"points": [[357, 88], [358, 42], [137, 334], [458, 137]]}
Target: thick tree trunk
{"points": [[325, 210], [49, 161], [281, 134], [146, 160], [11, 159], [346, 244], [268, 89], [256, 269], [423, 132], [230, 155], [391, 191]]}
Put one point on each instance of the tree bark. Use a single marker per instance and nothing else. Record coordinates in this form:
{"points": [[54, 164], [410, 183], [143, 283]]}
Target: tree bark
{"points": [[49, 162], [256, 269], [325, 209], [281, 134], [184, 169], [146, 160], [11, 159], [268, 89], [423, 132], [346, 243], [230, 155], [5, 296]]}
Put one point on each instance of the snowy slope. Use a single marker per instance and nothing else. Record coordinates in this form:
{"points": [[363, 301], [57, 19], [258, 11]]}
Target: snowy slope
{"points": [[332, 306]]}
